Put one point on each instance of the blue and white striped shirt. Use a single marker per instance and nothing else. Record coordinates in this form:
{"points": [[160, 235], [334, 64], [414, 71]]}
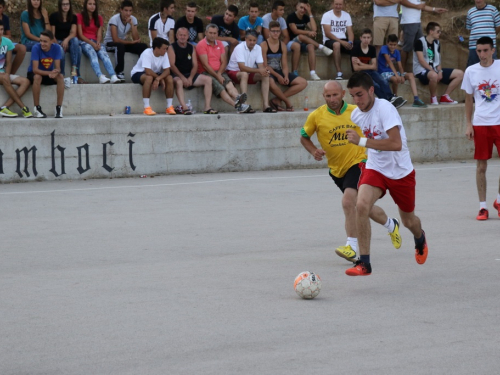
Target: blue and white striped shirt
{"points": [[482, 22]]}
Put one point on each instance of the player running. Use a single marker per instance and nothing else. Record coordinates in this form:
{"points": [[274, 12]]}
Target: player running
{"points": [[330, 122], [389, 167]]}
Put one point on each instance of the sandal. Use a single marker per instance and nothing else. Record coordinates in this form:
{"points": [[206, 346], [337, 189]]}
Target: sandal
{"points": [[277, 107], [290, 109], [269, 110], [210, 111], [188, 112]]}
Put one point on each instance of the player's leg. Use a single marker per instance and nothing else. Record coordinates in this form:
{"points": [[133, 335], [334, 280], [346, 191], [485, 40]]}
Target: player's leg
{"points": [[496, 129], [413, 223], [483, 151], [378, 215]]}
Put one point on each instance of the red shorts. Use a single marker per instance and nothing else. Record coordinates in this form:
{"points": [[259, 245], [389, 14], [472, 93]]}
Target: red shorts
{"points": [[402, 191], [232, 75], [484, 138]]}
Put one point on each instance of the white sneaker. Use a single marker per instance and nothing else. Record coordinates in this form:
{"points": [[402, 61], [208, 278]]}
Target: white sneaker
{"points": [[58, 112], [434, 101], [67, 83], [115, 79], [327, 51], [38, 113], [315, 77], [103, 79]]}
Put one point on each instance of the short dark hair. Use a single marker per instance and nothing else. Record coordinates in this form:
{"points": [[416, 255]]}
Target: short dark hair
{"points": [[158, 42], [2, 2], [1, 22], [48, 34], [274, 24], [165, 4], [360, 79], [366, 31], [191, 4], [431, 26], [485, 40], [392, 38], [126, 3], [278, 3], [303, 2], [251, 32], [233, 9], [253, 5]]}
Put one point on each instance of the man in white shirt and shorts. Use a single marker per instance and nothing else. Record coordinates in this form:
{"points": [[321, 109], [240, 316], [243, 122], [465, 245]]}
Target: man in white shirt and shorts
{"points": [[389, 167], [482, 84]]}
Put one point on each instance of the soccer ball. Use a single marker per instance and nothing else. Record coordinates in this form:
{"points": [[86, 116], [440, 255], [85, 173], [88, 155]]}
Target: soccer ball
{"points": [[307, 285]]}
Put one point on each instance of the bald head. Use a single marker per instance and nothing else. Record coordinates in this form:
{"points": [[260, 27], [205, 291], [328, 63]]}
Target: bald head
{"points": [[332, 85]]}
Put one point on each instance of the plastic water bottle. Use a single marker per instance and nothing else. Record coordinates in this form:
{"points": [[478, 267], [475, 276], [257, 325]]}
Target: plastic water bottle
{"points": [[306, 104], [190, 106]]}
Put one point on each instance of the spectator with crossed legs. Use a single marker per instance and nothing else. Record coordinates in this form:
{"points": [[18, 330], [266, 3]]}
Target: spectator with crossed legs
{"points": [[275, 60], [212, 61], [302, 29]]}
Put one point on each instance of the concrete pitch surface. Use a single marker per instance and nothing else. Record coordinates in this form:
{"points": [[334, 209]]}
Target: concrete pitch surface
{"points": [[193, 274]]}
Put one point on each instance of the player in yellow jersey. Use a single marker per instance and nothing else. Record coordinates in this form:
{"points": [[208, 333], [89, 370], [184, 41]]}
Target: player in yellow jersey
{"points": [[345, 160]]}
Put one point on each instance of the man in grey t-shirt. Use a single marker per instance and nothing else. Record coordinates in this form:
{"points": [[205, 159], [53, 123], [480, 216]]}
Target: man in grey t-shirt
{"points": [[116, 36]]}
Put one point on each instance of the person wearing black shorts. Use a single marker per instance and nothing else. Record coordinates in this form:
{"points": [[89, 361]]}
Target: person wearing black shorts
{"points": [[330, 122]]}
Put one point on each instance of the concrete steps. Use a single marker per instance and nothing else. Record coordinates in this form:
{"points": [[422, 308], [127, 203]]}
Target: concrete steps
{"points": [[132, 145]]}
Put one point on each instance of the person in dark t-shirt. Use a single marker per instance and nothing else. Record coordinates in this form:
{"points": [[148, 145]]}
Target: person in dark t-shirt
{"points": [[193, 24], [364, 58], [229, 31]]}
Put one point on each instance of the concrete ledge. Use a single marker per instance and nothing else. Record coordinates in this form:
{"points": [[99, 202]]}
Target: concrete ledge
{"points": [[133, 145]]}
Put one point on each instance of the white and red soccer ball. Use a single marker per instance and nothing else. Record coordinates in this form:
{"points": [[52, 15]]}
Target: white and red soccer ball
{"points": [[307, 285]]}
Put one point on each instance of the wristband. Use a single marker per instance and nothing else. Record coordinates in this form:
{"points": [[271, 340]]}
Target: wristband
{"points": [[311, 16], [434, 9], [362, 142]]}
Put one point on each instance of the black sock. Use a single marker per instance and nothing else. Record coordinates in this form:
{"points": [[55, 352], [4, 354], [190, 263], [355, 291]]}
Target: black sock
{"points": [[419, 242], [365, 259]]}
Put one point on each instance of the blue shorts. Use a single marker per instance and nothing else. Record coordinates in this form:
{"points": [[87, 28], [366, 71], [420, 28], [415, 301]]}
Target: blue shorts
{"points": [[136, 78], [303, 46], [422, 77]]}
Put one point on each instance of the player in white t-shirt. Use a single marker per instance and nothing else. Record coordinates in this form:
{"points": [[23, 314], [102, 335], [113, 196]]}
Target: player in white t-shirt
{"points": [[152, 71], [337, 33], [482, 84], [389, 167]]}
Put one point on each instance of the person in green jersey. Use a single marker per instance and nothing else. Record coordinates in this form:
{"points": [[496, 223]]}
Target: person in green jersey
{"points": [[346, 163]]}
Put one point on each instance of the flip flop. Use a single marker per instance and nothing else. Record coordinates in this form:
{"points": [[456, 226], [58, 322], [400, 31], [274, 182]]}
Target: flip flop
{"points": [[210, 111], [290, 109], [269, 110], [275, 106]]}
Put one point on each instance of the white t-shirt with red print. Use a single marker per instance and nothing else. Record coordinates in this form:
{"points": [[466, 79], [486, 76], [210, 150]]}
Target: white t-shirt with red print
{"points": [[374, 124], [484, 83]]}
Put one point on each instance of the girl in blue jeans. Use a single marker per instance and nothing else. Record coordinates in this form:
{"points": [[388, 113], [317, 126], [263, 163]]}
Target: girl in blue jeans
{"points": [[63, 25], [89, 26]]}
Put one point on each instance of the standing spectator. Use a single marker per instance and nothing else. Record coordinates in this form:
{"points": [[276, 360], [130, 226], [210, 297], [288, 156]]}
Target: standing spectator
{"points": [[302, 30], [275, 61], [89, 24], [7, 79], [481, 84], [19, 49], [277, 11], [33, 22], [192, 23], [385, 21], [45, 69], [116, 36], [411, 24], [337, 33], [184, 67], [251, 22], [63, 25], [212, 61], [241, 68], [161, 25], [152, 71], [229, 32], [391, 69], [427, 65], [482, 20], [364, 58]]}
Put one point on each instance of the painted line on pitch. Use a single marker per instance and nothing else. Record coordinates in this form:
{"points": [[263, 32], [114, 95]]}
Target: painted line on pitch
{"points": [[204, 182]]}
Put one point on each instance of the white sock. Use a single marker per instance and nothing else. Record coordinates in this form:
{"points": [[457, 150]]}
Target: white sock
{"points": [[313, 71], [169, 102], [146, 102], [353, 242], [390, 225], [483, 205], [321, 46], [498, 198]]}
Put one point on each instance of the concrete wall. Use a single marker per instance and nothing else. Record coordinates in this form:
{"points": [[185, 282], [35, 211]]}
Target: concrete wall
{"points": [[194, 144]]}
